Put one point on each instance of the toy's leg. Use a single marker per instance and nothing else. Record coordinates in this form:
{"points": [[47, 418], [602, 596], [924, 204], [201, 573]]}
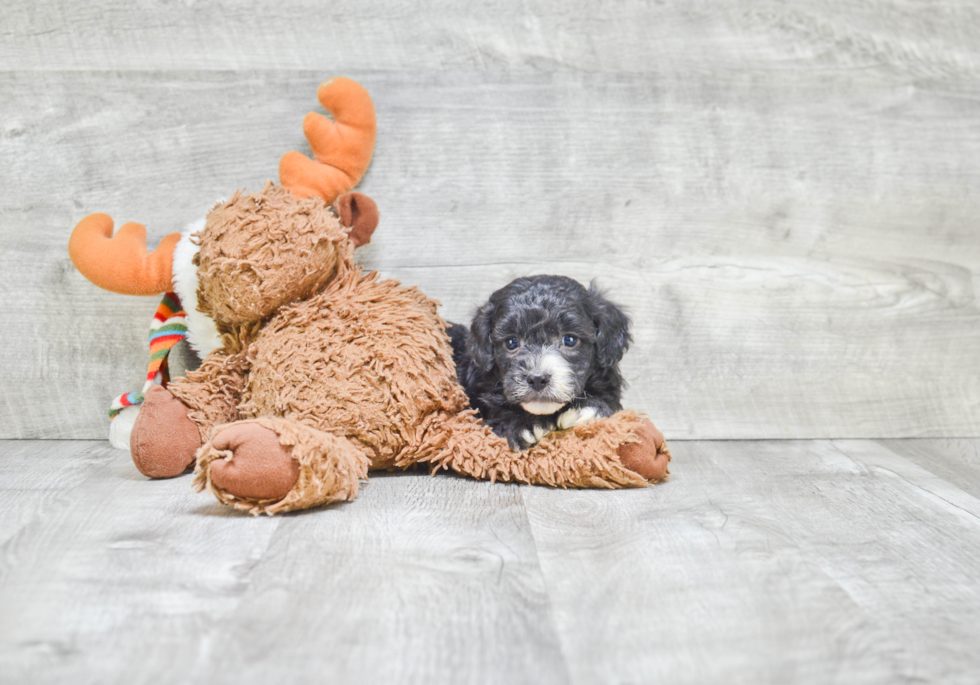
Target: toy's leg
{"points": [[624, 450], [212, 391], [648, 456], [164, 439], [173, 422], [273, 465]]}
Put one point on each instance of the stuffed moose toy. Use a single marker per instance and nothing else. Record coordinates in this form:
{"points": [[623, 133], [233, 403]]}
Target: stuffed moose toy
{"points": [[314, 371]]}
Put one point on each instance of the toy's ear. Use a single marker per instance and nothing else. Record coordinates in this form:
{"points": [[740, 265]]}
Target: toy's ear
{"points": [[359, 213], [612, 328], [479, 345]]}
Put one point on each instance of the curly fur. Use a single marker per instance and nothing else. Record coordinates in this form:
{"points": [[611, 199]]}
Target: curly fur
{"points": [[563, 368]]}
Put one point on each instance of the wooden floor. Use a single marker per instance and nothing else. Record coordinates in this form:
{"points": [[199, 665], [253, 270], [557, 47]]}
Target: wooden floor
{"points": [[846, 561]]}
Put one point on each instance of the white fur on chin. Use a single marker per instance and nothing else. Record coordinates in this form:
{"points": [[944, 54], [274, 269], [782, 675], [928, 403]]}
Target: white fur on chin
{"points": [[541, 408]]}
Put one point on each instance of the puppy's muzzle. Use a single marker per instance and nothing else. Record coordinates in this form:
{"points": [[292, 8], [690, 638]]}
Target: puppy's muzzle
{"points": [[549, 386], [538, 382]]}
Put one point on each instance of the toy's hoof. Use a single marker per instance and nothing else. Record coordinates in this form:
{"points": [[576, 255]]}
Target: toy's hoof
{"points": [[164, 439], [260, 468], [649, 457]]}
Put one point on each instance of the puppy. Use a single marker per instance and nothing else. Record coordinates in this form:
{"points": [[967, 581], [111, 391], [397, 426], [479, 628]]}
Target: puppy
{"points": [[542, 355]]}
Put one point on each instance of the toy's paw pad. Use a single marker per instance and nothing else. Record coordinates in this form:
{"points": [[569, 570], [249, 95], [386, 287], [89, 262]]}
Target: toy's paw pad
{"points": [[259, 467], [576, 417], [649, 457], [164, 438]]}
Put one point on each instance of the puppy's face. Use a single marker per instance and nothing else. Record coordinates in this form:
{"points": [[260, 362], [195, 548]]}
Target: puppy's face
{"points": [[543, 337], [543, 349]]}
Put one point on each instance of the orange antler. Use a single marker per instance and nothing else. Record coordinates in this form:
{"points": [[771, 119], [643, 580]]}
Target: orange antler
{"points": [[342, 147], [121, 263]]}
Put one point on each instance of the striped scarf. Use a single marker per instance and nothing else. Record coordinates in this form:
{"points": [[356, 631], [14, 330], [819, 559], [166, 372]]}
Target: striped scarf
{"points": [[166, 330]]}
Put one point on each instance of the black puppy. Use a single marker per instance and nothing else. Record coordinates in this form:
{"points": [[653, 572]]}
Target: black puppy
{"points": [[542, 354]]}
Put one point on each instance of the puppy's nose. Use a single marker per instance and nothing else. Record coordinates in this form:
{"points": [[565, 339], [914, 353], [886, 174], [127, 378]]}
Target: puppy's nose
{"points": [[538, 381]]}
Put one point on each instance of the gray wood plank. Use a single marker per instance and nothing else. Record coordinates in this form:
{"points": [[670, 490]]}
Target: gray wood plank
{"points": [[758, 562], [954, 460], [120, 579], [837, 302], [36, 477], [767, 562], [421, 580], [111, 577], [580, 35]]}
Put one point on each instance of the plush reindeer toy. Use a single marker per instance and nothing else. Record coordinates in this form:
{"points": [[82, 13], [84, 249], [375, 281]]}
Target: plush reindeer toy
{"points": [[315, 371]]}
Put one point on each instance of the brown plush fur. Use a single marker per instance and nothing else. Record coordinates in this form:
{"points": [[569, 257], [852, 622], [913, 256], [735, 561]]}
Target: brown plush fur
{"points": [[353, 372], [260, 251]]}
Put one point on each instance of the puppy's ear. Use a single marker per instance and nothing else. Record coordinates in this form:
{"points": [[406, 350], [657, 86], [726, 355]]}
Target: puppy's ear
{"points": [[478, 345], [612, 328]]}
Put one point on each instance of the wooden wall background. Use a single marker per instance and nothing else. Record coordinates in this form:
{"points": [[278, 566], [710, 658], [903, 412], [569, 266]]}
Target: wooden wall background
{"points": [[785, 195]]}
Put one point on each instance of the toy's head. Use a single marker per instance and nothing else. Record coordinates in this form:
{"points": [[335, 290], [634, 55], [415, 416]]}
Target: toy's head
{"points": [[257, 251]]}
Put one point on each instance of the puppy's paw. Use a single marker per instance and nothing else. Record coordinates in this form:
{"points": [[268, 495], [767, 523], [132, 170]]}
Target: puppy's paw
{"points": [[532, 437], [576, 417]]}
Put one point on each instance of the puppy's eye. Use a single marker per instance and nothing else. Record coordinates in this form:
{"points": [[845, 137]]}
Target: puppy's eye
{"points": [[569, 341], [512, 343]]}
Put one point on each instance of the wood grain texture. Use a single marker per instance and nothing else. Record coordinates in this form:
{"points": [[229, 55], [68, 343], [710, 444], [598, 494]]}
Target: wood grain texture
{"points": [[434, 580], [758, 562], [784, 198], [955, 461], [629, 36], [108, 577], [767, 562]]}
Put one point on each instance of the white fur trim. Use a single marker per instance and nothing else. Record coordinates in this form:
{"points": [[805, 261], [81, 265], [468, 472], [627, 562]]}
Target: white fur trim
{"points": [[541, 408], [202, 333], [121, 427]]}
